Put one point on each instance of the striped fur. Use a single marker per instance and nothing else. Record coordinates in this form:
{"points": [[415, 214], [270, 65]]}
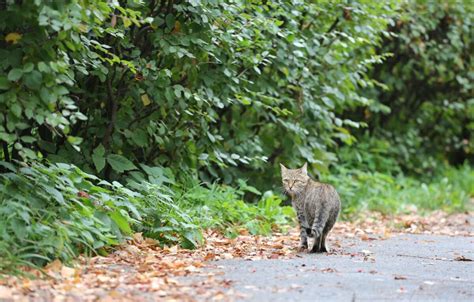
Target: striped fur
{"points": [[317, 206]]}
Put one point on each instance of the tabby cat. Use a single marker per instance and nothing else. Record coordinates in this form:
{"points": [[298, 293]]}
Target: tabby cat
{"points": [[317, 206]]}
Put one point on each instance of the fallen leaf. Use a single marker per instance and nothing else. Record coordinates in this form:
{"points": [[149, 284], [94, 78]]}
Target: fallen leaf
{"points": [[328, 270], [462, 258], [399, 277], [67, 272], [83, 194], [54, 266]]}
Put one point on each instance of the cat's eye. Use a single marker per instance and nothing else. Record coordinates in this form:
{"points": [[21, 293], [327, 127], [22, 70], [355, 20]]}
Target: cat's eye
{"points": [[286, 180]]}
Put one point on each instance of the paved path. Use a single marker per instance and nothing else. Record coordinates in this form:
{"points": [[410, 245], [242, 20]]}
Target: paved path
{"points": [[402, 268]]}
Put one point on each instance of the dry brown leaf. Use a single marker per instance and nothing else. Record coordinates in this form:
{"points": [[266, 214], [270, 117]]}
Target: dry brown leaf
{"points": [[399, 277], [329, 270], [142, 266], [462, 258], [67, 272], [54, 266]]}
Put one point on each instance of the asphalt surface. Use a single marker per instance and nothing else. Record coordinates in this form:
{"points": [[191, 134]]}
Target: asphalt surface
{"points": [[402, 268]]}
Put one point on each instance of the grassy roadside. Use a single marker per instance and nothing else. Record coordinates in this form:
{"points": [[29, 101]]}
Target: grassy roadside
{"points": [[58, 211], [450, 190]]}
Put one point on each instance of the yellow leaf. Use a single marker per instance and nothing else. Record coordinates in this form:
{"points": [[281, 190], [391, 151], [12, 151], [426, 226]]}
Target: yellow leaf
{"points": [[13, 38], [145, 100], [126, 22], [177, 27], [82, 27]]}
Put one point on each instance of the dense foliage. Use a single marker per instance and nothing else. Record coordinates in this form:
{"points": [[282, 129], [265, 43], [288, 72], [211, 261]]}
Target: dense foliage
{"points": [[162, 116], [193, 85], [451, 190], [429, 78], [59, 211]]}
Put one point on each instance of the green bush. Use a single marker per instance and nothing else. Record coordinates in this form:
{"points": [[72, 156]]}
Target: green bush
{"points": [[57, 211], [223, 207], [166, 96], [429, 83], [451, 190], [199, 86]]}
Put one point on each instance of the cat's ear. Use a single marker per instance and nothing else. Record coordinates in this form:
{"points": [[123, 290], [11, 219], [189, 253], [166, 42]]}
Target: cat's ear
{"points": [[283, 168], [304, 169]]}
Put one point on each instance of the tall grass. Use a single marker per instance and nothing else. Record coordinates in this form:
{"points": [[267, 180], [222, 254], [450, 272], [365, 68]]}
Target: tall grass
{"points": [[451, 190]]}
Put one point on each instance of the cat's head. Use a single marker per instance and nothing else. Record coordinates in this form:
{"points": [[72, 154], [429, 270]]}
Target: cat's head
{"points": [[294, 180]]}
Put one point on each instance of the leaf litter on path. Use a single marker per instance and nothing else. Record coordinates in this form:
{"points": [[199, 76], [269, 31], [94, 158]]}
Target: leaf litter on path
{"points": [[142, 271]]}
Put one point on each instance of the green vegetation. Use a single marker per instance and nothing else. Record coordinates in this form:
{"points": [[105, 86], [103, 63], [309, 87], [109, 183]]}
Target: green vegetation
{"points": [[58, 211], [430, 81], [450, 190], [167, 117]]}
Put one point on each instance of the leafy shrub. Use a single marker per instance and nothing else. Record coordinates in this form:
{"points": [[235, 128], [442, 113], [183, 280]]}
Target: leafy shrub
{"points": [[57, 211], [451, 190], [165, 220], [200, 86], [223, 207], [369, 154], [44, 47], [430, 82]]}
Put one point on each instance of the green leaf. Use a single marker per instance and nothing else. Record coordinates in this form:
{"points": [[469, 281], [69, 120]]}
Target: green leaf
{"points": [[28, 139], [43, 67], [119, 163], [98, 158], [33, 80], [15, 74], [28, 67], [170, 21], [140, 138], [55, 194], [4, 83], [121, 222], [45, 95], [74, 140], [16, 109]]}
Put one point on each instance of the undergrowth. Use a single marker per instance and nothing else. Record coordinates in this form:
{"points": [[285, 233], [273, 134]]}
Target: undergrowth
{"points": [[450, 190], [57, 211]]}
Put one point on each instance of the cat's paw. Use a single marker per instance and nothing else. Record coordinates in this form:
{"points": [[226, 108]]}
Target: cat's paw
{"points": [[302, 247], [316, 232], [311, 243]]}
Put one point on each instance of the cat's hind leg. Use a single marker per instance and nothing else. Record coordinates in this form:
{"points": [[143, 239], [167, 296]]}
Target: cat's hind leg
{"points": [[329, 225], [323, 248], [303, 240]]}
